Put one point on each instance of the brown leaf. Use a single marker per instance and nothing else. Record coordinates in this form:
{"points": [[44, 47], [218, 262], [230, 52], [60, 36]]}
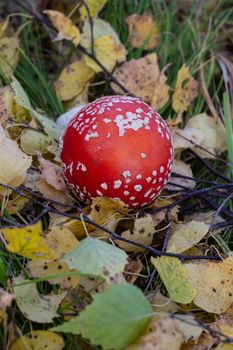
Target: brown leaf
{"points": [[51, 174], [142, 30]]}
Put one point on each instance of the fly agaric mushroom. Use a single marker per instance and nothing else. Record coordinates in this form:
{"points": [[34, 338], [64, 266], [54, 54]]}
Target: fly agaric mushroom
{"points": [[118, 147]]}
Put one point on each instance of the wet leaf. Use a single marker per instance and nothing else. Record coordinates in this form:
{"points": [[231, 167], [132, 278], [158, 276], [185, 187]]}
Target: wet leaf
{"points": [[124, 313], [34, 306]]}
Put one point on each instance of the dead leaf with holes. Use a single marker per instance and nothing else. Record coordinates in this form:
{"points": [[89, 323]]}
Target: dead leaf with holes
{"points": [[142, 77], [213, 283], [143, 31], [66, 29], [73, 80], [215, 136], [142, 232], [186, 90], [162, 333]]}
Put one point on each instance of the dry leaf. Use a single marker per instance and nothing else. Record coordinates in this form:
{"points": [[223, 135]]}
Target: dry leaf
{"points": [[32, 141], [44, 268], [12, 173], [213, 283], [16, 203], [162, 333], [73, 80], [4, 114], [214, 139], [185, 236], [94, 7], [39, 340], [143, 78], [51, 174], [9, 54], [27, 241], [66, 29], [181, 168], [61, 241], [132, 269], [107, 46], [142, 30], [186, 138], [186, 90], [143, 232]]}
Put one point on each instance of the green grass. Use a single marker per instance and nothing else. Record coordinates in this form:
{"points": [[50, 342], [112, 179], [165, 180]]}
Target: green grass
{"points": [[180, 42]]}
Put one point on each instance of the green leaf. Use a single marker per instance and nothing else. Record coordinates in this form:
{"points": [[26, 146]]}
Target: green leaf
{"points": [[51, 128], [36, 307], [115, 319], [95, 257], [175, 279]]}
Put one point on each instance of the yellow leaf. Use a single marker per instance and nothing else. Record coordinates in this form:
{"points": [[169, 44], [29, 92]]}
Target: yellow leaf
{"points": [[12, 172], [108, 52], [214, 139], [73, 80], [66, 29], [39, 340], [4, 114], [142, 30], [228, 332], [16, 203], [94, 7], [186, 138], [58, 269], [143, 232], [143, 78], [32, 141], [185, 236], [162, 333], [213, 283], [61, 241], [186, 90], [107, 46], [175, 279], [27, 241], [9, 54], [4, 27], [34, 306]]}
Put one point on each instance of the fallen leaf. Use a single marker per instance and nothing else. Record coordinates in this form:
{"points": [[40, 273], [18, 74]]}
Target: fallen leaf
{"points": [[27, 241], [61, 241], [213, 283], [94, 7], [143, 232], [228, 332], [34, 306], [5, 299], [186, 90], [39, 340], [181, 168], [51, 173], [143, 78], [186, 138], [124, 313], [108, 49], [215, 138], [32, 141], [175, 278], [189, 326], [66, 29], [4, 114], [12, 173], [98, 258], [184, 236], [132, 270], [44, 268], [143, 32], [16, 203], [162, 333], [73, 80], [160, 303], [9, 55]]}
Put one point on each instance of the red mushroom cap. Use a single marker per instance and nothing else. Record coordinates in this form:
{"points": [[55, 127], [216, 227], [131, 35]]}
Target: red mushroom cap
{"points": [[118, 147]]}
